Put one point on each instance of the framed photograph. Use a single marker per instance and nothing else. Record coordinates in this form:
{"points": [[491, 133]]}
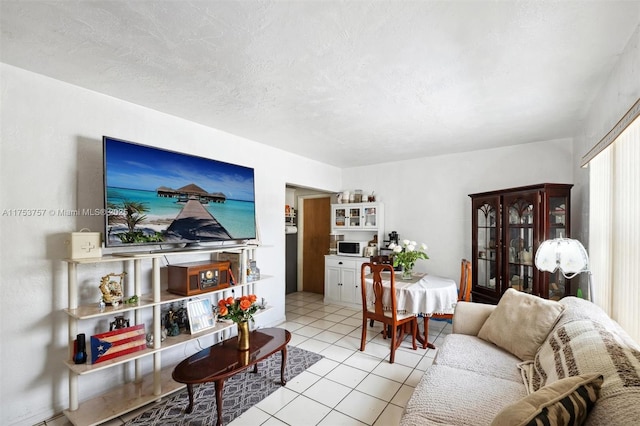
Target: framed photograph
{"points": [[201, 315]]}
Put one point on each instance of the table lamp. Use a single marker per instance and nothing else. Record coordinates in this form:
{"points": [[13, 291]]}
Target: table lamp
{"points": [[564, 254]]}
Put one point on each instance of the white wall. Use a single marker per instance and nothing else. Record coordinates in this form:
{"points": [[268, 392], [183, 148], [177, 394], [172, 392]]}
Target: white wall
{"points": [[51, 159], [426, 199], [615, 97]]}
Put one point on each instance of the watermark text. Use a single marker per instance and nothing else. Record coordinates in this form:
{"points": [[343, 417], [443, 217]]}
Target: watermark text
{"points": [[61, 212]]}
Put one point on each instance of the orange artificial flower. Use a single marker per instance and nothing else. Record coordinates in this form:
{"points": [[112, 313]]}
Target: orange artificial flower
{"points": [[239, 309]]}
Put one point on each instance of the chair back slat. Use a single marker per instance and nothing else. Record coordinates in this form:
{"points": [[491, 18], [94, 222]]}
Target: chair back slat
{"points": [[377, 294], [378, 289]]}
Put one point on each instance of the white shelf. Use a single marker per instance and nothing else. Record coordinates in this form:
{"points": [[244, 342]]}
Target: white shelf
{"points": [[170, 342], [123, 399], [145, 254], [146, 301]]}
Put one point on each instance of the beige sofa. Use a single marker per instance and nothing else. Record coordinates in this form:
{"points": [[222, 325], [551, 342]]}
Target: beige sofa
{"points": [[474, 381]]}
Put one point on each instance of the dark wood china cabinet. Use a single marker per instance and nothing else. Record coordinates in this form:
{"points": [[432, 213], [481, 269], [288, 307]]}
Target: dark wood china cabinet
{"points": [[508, 226]]}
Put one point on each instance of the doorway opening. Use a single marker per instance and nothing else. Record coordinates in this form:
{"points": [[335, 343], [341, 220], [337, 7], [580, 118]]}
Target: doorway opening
{"points": [[307, 237]]}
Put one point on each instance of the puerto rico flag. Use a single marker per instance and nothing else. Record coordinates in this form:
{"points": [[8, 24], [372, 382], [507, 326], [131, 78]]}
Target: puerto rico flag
{"points": [[112, 344]]}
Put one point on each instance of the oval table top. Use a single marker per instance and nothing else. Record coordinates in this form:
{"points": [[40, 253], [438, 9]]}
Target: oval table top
{"points": [[223, 359]]}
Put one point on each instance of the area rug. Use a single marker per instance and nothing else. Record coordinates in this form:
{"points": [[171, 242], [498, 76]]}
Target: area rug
{"points": [[239, 393]]}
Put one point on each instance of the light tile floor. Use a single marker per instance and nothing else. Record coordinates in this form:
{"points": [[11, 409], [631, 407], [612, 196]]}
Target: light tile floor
{"points": [[347, 387]]}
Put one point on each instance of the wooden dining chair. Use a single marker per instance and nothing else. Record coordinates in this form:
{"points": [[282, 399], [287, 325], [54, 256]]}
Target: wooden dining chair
{"points": [[464, 294], [390, 318]]}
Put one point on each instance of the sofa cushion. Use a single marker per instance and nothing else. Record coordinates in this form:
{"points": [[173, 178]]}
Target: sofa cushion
{"points": [[450, 396], [474, 354], [565, 402], [521, 323], [620, 409], [577, 308]]}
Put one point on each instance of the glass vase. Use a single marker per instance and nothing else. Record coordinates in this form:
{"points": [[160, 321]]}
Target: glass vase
{"points": [[243, 335], [407, 273]]}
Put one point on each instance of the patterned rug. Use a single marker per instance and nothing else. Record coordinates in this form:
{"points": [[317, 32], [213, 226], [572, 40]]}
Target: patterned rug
{"points": [[239, 393]]}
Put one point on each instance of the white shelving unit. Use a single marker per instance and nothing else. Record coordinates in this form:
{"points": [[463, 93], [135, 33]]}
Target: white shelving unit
{"points": [[143, 389]]}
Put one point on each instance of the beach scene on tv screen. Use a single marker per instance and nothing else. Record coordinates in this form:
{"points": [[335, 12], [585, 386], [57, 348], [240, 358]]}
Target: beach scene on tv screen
{"points": [[155, 196]]}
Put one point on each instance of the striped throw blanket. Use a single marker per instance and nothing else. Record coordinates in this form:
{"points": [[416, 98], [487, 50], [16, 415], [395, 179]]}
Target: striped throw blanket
{"points": [[585, 346]]}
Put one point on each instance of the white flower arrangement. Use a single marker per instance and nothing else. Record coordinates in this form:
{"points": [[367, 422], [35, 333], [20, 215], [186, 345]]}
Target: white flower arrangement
{"points": [[408, 253]]}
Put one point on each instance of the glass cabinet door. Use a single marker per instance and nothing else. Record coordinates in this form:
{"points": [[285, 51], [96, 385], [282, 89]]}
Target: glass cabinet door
{"points": [[558, 218], [557, 285], [355, 217], [370, 217], [519, 225], [486, 246], [339, 217]]}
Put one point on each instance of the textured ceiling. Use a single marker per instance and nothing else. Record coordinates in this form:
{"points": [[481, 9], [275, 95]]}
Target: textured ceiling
{"points": [[344, 82]]}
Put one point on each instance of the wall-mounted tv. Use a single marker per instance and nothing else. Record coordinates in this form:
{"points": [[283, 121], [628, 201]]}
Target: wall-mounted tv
{"points": [[155, 196]]}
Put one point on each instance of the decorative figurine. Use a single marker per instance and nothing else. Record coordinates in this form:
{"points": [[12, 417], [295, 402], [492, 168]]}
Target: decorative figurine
{"points": [[111, 289], [119, 322], [149, 337], [182, 318], [171, 323]]}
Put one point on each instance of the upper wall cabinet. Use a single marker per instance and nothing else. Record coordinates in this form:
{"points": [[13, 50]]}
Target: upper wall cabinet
{"points": [[356, 217], [351, 219], [508, 226]]}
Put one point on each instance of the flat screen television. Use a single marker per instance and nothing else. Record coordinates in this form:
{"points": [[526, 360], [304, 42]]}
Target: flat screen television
{"points": [[155, 196]]}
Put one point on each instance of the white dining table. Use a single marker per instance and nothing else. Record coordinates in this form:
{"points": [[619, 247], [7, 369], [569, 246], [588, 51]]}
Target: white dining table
{"points": [[422, 295]]}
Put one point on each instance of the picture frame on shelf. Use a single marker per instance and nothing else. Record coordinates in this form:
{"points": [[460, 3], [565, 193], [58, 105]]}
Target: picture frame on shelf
{"points": [[201, 316]]}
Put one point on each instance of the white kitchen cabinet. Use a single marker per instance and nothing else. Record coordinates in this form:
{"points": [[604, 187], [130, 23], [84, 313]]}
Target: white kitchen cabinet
{"points": [[342, 280]]}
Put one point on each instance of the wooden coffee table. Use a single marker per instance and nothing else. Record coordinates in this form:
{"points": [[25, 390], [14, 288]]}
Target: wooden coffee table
{"points": [[223, 360]]}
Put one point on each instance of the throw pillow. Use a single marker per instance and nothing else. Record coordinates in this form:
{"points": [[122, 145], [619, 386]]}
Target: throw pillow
{"points": [[521, 323], [565, 402]]}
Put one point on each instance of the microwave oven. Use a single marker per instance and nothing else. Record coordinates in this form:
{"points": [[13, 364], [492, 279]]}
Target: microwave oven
{"points": [[352, 248]]}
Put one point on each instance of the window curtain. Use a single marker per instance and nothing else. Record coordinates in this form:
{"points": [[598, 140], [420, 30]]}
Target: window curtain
{"points": [[614, 228]]}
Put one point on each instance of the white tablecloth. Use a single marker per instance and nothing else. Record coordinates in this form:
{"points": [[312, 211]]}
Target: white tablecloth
{"points": [[424, 294]]}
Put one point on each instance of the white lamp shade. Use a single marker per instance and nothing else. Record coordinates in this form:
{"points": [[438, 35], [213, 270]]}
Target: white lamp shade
{"points": [[565, 254], [546, 256], [573, 256]]}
